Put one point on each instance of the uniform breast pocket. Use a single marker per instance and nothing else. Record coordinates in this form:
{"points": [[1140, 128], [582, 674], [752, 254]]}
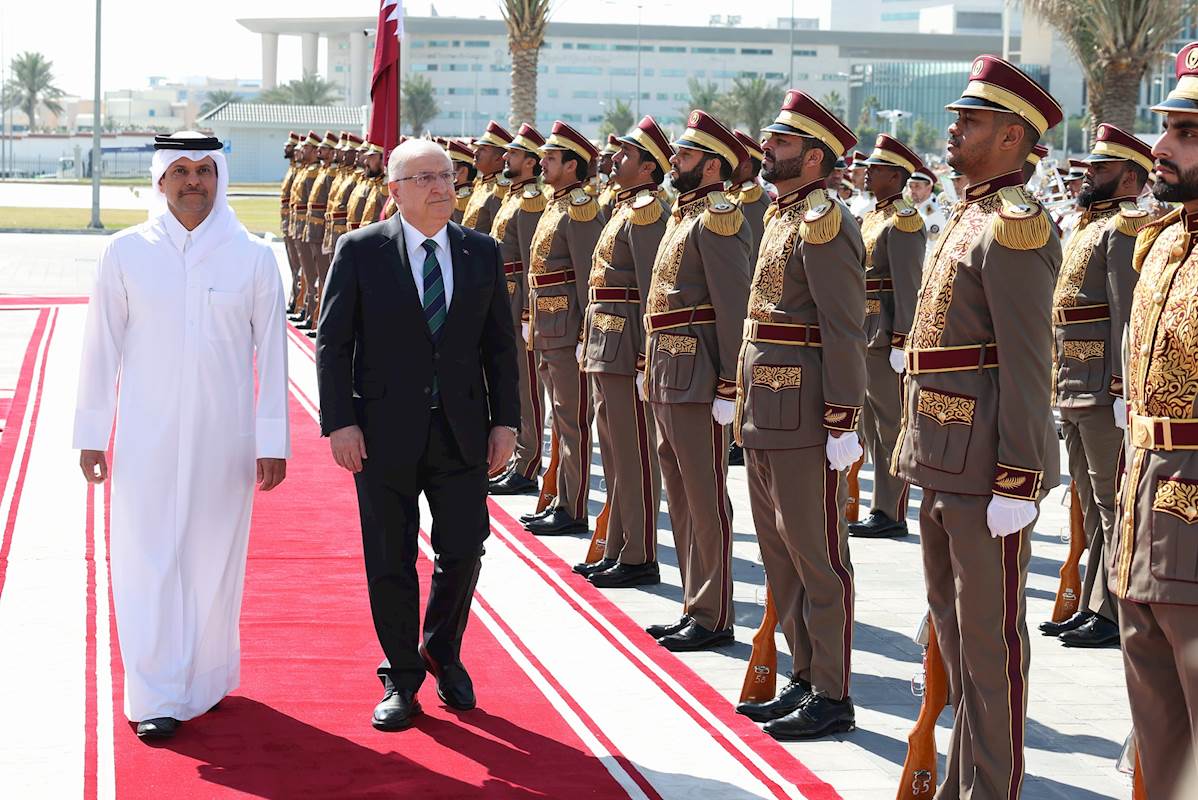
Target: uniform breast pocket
{"points": [[551, 316], [1175, 530], [675, 356], [227, 316], [607, 330], [943, 428], [774, 399], [1082, 363]]}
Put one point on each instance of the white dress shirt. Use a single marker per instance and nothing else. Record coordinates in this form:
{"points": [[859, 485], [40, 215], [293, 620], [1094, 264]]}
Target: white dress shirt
{"points": [[414, 241]]}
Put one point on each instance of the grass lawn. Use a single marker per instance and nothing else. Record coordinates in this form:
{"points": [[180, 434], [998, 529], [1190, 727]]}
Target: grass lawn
{"points": [[258, 214], [143, 181]]}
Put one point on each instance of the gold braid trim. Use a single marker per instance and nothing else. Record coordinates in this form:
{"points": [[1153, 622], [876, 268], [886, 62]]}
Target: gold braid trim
{"points": [[770, 213], [582, 211], [1021, 223], [907, 219], [750, 195], [821, 223], [534, 201], [501, 188], [1131, 219], [722, 216], [648, 213], [1147, 237]]}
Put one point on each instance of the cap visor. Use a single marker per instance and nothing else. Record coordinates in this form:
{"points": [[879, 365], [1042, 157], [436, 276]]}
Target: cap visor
{"points": [[778, 127], [977, 103], [1176, 104]]}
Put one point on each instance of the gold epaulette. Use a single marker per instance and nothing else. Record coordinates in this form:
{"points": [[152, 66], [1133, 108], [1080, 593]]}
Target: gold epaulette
{"points": [[502, 185], [462, 198], [821, 222], [722, 216], [591, 189], [646, 209], [770, 213], [1131, 219], [907, 218], [582, 207], [1148, 234], [1021, 223], [750, 195], [534, 200]]}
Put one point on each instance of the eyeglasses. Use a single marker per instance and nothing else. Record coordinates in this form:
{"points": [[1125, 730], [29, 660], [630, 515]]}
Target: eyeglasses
{"points": [[425, 179]]}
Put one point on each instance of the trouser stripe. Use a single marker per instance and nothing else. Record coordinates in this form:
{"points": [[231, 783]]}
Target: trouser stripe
{"points": [[832, 540], [584, 445], [649, 531], [534, 390], [1011, 547], [721, 500]]}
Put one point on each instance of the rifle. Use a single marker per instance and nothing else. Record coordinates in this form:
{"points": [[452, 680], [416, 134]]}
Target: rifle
{"points": [[919, 770], [549, 482], [599, 537], [852, 507], [761, 676], [1138, 792], [1070, 589]]}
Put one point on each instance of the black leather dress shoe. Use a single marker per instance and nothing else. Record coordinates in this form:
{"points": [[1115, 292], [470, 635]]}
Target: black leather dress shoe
{"points": [[310, 334], [512, 483], [878, 525], [1097, 631], [454, 686], [158, 728], [790, 699], [695, 637], [658, 631], [819, 716], [305, 324], [586, 570], [623, 575], [1051, 628], [396, 710], [530, 516], [736, 455], [557, 523]]}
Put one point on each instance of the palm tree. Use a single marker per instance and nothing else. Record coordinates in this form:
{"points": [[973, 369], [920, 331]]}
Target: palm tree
{"points": [[218, 97], [1116, 42], [754, 102], [705, 96], [32, 85], [526, 22], [869, 108], [419, 103], [310, 90], [834, 103], [617, 119]]}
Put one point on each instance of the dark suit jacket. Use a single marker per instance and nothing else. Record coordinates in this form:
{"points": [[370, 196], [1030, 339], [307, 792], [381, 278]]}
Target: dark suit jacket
{"points": [[375, 358]]}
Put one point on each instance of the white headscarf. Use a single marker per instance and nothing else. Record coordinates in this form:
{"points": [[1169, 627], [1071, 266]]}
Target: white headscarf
{"points": [[222, 221]]}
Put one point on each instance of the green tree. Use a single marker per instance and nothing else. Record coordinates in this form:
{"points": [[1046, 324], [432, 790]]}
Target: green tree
{"points": [[753, 102], [869, 110], [705, 96], [1116, 42], [419, 103], [31, 85], [617, 119], [310, 90], [526, 22], [924, 138], [217, 98], [834, 103]]}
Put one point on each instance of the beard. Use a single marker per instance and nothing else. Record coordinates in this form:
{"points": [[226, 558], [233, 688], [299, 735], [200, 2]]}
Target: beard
{"points": [[688, 181], [509, 174], [1096, 193], [1184, 190], [785, 169]]}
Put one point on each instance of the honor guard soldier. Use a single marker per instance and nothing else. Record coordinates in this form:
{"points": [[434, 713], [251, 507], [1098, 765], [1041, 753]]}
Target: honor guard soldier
{"points": [[301, 190], [1154, 561], [292, 158], [800, 388], [523, 169], [693, 320], [560, 262], [1038, 154], [605, 175], [1091, 307], [318, 201], [490, 187], [615, 358], [920, 187], [978, 433], [465, 172], [895, 242], [864, 200], [370, 193], [747, 192], [338, 213]]}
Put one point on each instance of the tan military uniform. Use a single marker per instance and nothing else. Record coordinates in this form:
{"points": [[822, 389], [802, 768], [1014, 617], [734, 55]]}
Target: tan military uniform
{"points": [[318, 200], [365, 202], [301, 190], [338, 212], [978, 422], [1091, 307], [293, 259], [461, 199], [484, 201], [524, 198], [615, 348], [801, 376], [753, 202], [693, 321], [560, 260], [607, 198], [1154, 560], [895, 241]]}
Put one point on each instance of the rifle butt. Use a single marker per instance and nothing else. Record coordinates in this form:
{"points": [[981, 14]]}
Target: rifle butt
{"points": [[1070, 588], [919, 768], [599, 537], [852, 506], [761, 674], [549, 483]]}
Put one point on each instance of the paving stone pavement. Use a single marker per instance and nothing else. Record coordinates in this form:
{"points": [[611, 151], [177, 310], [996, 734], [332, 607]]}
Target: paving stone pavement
{"points": [[1077, 715]]}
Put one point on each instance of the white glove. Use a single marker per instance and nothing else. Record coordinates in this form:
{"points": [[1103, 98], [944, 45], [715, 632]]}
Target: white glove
{"points": [[898, 360], [640, 387], [723, 410], [1006, 515], [578, 352], [524, 331], [843, 451], [1120, 412]]}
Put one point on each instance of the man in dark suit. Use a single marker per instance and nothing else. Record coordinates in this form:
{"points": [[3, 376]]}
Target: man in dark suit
{"points": [[416, 362]]}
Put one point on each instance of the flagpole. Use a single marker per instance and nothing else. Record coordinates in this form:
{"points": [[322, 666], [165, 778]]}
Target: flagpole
{"points": [[399, 88]]}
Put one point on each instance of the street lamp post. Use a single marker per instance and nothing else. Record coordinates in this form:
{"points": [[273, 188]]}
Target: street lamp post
{"points": [[638, 59], [96, 160]]}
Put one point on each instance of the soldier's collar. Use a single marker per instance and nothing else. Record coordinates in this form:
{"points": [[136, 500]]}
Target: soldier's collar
{"points": [[628, 194], [492, 178], [795, 196], [699, 194], [520, 183], [887, 201], [566, 190], [457, 187], [1189, 220], [986, 188], [1107, 205]]}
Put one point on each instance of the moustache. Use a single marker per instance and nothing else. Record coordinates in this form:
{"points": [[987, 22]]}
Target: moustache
{"points": [[1163, 162]]}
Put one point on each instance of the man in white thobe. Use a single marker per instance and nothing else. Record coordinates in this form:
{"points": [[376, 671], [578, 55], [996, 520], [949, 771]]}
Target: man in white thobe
{"points": [[185, 305]]}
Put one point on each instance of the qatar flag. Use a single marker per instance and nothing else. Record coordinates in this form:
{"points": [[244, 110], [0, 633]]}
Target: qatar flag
{"points": [[384, 81]]}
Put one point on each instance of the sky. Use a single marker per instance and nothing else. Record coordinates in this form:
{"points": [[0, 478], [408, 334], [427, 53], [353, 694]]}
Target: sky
{"points": [[177, 43]]}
